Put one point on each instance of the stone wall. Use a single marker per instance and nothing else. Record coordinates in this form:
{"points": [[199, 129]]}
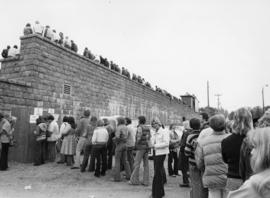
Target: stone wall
{"points": [[33, 84], [46, 67]]}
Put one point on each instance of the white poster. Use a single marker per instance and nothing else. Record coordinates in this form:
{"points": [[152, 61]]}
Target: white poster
{"points": [[33, 118], [38, 111], [51, 111]]}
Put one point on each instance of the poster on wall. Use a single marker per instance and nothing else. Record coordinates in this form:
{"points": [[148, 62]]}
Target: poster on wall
{"points": [[51, 111], [33, 119], [38, 111]]}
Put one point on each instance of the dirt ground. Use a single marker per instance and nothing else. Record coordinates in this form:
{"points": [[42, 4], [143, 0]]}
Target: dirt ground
{"points": [[57, 180]]}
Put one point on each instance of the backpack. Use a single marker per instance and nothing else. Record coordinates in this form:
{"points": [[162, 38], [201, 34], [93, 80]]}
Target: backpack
{"points": [[5, 53]]}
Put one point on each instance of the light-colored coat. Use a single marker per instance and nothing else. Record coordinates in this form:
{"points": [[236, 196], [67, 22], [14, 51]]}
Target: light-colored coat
{"points": [[208, 158], [160, 141]]}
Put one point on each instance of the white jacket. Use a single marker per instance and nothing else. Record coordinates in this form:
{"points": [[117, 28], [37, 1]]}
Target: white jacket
{"points": [[160, 140]]}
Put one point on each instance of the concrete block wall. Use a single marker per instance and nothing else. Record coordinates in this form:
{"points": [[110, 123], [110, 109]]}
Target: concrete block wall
{"points": [[46, 67]]}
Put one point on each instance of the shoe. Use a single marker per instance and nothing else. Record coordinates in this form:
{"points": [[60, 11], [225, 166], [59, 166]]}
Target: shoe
{"points": [[184, 185], [172, 175], [130, 183], [74, 167], [144, 184], [103, 174], [96, 175], [60, 162], [82, 170]]}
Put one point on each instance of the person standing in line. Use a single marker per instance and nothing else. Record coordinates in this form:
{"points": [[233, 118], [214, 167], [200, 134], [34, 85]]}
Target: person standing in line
{"points": [[173, 147], [81, 132], [130, 143], [143, 137], [5, 134], [63, 130], [69, 144], [183, 159], [120, 139], [231, 147], [110, 126], [88, 146], [53, 130], [40, 144], [160, 142], [258, 185], [99, 147], [209, 159], [197, 189]]}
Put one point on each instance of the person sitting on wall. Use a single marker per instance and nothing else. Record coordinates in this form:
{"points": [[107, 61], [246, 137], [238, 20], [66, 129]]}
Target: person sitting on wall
{"points": [[101, 60], [112, 65], [55, 37], [134, 77], [147, 84], [67, 43], [106, 63], [5, 52], [48, 32], [140, 79], [86, 52], [96, 59], [128, 74], [91, 56], [74, 46], [117, 68], [61, 39], [13, 52], [38, 29], [27, 30]]}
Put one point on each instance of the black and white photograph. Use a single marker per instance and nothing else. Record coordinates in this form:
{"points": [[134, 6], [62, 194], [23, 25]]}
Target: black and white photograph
{"points": [[135, 99]]}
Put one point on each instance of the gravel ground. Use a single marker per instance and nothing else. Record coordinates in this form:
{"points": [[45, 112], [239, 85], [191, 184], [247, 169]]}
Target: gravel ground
{"points": [[57, 180]]}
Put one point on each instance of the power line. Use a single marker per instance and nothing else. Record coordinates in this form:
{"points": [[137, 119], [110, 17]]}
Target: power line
{"points": [[218, 100]]}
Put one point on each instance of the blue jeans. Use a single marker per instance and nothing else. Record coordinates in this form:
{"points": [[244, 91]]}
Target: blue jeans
{"points": [[140, 155], [121, 155]]}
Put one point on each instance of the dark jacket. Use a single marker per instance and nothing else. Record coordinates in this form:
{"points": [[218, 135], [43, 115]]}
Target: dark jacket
{"points": [[183, 159], [245, 170], [230, 148], [143, 136]]}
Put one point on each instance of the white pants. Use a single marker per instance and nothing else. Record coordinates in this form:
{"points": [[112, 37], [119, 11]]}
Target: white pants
{"points": [[79, 149], [217, 193]]}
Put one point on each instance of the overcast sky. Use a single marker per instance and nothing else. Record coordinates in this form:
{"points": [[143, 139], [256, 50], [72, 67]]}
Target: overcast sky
{"points": [[177, 45]]}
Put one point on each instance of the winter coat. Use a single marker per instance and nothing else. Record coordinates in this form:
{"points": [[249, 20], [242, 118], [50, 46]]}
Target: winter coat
{"points": [[209, 159], [143, 137]]}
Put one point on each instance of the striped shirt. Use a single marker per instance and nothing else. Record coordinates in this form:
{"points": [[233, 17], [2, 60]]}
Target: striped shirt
{"points": [[191, 147]]}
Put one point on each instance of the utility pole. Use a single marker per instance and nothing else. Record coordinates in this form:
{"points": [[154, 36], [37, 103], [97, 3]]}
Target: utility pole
{"points": [[208, 104], [218, 100]]}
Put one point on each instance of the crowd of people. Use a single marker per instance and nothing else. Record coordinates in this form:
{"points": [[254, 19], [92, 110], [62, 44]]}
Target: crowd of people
{"points": [[217, 158]]}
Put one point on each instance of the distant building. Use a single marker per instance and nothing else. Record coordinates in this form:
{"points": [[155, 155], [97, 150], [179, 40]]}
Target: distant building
{"points": [[191, 101]]}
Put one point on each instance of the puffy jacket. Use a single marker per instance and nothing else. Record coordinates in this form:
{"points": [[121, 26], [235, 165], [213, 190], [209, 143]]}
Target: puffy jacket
{"points": [[142, 137], [209, 159]]}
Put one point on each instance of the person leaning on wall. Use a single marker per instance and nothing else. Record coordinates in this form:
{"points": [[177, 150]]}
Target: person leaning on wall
{"points": [[5, 134]]}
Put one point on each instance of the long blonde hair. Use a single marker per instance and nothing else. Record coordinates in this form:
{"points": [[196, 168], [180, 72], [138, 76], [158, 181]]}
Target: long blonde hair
{"points": [[242, 122], [260, 160], [260, 139]]}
